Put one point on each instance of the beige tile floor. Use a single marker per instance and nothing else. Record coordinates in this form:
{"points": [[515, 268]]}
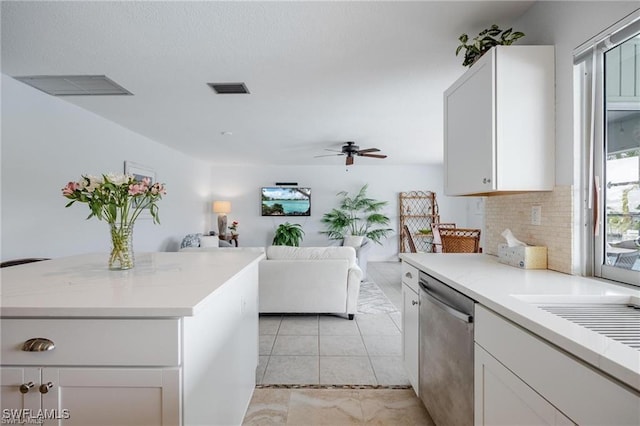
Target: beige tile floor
{"points": [[336, 407], [332, 350]]}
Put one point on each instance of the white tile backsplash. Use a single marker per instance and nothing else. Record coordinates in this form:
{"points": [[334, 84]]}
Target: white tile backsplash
{"points": [[513, 211]]}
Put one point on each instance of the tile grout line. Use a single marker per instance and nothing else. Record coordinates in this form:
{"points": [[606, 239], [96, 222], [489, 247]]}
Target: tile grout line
{"points": [[375, 376], [319, 371]]}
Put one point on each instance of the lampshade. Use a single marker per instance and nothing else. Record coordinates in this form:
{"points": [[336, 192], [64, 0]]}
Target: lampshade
{"points": [[223, 207]]}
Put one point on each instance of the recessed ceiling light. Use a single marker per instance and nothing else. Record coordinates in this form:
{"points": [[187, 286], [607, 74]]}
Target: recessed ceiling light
{"points": [[229, 88], [74, 85], [226, 133]]}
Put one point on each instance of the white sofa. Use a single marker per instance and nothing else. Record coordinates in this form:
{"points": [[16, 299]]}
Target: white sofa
{"points": [[309, 280]]}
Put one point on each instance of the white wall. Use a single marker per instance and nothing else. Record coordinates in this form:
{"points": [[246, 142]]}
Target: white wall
{"points": [[568, 24], [47, 142], [241, 186]]}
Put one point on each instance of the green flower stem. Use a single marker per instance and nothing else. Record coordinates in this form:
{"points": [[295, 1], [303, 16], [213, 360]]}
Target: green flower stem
{"points": [[121, 252]]}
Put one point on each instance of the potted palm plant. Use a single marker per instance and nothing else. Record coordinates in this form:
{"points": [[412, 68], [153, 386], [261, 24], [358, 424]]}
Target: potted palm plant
{"points": [[357, 216], [288, 234]]}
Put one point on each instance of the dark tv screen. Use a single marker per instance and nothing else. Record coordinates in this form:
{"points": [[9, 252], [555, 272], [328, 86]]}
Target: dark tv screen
{"points": [[286, 201]]}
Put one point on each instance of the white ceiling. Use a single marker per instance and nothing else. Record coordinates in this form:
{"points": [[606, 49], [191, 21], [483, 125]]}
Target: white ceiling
{"points": [[319, 73]]}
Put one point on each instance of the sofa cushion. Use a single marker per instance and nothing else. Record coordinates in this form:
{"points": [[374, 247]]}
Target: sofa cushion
{"points": [[210, 241], [191, 240], [311, 253]]}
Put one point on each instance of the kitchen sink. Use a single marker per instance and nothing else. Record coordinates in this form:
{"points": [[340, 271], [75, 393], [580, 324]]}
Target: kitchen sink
{"points": [[614, 316], [598, 299]]}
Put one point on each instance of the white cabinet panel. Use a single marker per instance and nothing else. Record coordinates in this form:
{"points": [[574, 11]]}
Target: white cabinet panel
{"points": [[92, 396], [131, 342], [113, 396], [503, 399], [410, 336], [11, 378], [410, 276], [469, 132], [577, 390], [499, 127]]}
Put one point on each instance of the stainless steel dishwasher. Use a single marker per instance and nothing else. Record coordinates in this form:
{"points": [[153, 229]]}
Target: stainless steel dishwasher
{"points": [[446, 352]]}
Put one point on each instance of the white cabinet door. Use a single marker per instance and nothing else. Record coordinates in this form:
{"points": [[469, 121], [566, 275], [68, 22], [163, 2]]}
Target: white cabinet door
{"points": [[499, 126], [13, 400], [501, 398], [410, 334], [469, 126], [582, 393], [112, 396]]}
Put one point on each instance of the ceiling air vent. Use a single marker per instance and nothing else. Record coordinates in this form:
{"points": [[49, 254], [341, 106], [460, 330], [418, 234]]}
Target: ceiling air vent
{"points": [[74, 85], [229, 88]]}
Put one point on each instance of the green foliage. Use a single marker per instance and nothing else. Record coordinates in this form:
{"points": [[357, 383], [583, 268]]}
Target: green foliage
{"points": [[276, 209], [116, 198], [288, 234], [357, 216], [487, 38], [624, 154]]}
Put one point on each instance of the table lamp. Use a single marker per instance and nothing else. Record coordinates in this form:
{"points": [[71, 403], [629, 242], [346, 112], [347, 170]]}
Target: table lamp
{"points": [[222, 208]]}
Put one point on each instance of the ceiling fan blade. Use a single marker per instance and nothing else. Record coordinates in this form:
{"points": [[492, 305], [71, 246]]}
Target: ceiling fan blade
{"points": [[373, 155], [349, 160], [368, 150], [327, 155], [332, 150]]}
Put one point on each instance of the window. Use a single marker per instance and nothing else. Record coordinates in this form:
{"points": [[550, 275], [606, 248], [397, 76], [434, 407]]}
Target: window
{"points": [[608, 72]]}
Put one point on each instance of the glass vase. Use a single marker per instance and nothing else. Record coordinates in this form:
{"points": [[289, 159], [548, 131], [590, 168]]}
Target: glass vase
{"points": [[121, 247]]}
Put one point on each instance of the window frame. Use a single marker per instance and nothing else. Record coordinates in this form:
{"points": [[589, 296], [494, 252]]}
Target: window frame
{"points": [[590, 130]]}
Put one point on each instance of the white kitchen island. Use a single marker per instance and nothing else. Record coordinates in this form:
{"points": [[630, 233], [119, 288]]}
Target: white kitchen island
{"points": [[173, 341]]}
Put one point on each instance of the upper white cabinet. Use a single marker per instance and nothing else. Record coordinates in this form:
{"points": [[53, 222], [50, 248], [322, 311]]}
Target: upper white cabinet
{"points": [[499, 123]]}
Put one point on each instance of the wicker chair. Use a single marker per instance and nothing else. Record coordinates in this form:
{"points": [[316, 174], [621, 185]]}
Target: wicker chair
{"points": [[437, 241], [460, 240], [626, 260], [407, 234]]}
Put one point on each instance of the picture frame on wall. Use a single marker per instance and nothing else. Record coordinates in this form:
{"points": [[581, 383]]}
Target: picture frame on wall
{"points": [[140, 171]]}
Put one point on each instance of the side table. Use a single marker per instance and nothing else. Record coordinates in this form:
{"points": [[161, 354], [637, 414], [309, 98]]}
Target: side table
{"points": [[230, 237]]}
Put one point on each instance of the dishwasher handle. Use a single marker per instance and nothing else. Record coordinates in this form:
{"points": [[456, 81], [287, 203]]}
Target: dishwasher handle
{"points": [[450, 310]]}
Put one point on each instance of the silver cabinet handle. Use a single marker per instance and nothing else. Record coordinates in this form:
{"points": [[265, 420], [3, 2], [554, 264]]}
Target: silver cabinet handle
{"points": [[38, 344], [486, 180], [414, 302], [44, 388], [408, 275], [25, 387]]}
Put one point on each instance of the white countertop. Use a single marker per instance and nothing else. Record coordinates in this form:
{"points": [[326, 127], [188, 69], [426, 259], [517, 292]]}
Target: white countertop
{"points": [[511, 292], [160, 285]]}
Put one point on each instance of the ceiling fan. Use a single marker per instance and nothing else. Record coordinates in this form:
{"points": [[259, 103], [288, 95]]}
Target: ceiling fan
{"points": [[350, 149]]}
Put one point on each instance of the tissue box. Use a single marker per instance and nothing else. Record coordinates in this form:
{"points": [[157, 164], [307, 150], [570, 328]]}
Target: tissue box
{"points": [[529, 257]]}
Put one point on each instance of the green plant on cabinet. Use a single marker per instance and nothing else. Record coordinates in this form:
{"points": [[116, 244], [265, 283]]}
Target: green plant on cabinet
{"points": [[489, 37]]}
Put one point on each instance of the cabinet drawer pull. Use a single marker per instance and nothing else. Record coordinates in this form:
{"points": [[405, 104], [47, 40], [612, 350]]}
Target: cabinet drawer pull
{"points": [[408, 275], [486, 180], [414, 302], [38, 344], [25, 387], [44, 388]]}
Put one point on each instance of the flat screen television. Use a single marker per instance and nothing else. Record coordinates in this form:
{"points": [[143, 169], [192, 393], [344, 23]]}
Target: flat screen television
{"points": [[286, 201]]}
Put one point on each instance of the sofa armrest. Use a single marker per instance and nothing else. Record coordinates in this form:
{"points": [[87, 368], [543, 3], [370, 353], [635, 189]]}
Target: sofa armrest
{"points": [[353, 289]]}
